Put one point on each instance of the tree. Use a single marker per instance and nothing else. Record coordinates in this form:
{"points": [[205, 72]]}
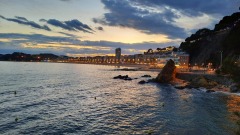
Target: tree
{"points": [[150, 50], [158, 49]]}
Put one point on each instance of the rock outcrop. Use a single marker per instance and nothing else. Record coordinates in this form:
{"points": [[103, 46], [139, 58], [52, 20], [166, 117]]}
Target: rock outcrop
{"points": [[234, 88], [146, 76], [203, 82], [142, 82], [126, 77], [168, 73]]}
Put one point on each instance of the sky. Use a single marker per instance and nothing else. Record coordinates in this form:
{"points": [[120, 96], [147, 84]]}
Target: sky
{"points": [[97, 27]]}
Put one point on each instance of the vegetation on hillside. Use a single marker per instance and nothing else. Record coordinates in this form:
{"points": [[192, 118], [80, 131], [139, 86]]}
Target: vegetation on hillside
{"points": [[206, 45], [230, 67], [227, 21], [231, 44], [18, 56]]}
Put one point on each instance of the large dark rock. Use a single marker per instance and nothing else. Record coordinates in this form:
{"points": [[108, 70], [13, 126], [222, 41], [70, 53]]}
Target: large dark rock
{"points": [[203, 82], [168, 73], [142, 82], [146, 76], [128, 79], [234, 88], [123, 77], [120, 77], [200, 82]]}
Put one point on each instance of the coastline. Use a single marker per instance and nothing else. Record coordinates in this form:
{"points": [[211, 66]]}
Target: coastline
{"points": [[137, 67], [223, 83], [184, 79]]}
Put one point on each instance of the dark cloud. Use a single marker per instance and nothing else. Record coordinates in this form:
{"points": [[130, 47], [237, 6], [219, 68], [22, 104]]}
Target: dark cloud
{"points": [[99, 28], [43, 20], [78, 25], [24, 21], [72, 25], [92, 47], [159, 16], [124, 14], [195, 7], [21, 18], [57, 23], [69, 35], [38, 38]]}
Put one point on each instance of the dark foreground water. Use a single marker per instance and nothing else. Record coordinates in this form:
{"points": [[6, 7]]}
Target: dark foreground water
{"points": [[60, 99]]}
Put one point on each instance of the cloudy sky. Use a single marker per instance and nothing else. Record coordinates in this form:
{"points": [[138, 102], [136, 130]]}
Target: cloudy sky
{"points": [[97, 27]]}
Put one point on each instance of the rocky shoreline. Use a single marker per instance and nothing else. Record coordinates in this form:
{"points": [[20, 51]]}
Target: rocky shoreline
{"points": [[182, 80], [210, 82]]}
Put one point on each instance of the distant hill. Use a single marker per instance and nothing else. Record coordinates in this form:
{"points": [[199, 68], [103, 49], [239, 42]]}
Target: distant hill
{"points": [[205, 45], [18, 56]]}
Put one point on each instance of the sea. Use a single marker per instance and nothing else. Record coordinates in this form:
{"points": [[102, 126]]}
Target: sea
{"points": [[81, 99]]}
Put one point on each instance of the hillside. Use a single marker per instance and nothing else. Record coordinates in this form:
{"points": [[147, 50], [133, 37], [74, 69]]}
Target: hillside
{"points": [[205, 45], [18, 56]]}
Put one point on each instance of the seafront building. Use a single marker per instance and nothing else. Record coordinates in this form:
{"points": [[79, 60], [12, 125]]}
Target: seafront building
{"points": [[184, 60], [117, 55], [153, 58]]}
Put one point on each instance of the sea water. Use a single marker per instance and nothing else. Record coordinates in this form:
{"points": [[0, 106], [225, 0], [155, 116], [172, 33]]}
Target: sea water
{"points": [[63, 98]]}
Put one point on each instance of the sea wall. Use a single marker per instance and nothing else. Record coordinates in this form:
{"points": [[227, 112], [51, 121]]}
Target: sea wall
{"points": [[224, 80]]}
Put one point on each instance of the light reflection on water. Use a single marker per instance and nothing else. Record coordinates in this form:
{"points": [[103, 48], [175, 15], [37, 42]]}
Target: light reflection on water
{"points": [[84, 99], [233, 106]]}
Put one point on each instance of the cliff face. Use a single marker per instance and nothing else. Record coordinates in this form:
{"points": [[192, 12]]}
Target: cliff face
{"points": [[205, 45]]}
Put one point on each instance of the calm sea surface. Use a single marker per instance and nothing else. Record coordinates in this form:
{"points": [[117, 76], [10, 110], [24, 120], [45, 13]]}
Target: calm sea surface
{"points": [[58, 98]]}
